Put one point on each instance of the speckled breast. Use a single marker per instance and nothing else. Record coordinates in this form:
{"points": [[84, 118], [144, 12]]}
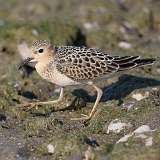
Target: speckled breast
{"points": [[51, 74]]}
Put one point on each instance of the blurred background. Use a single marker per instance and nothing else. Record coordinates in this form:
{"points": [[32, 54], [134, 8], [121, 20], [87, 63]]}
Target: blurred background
{"points": [[120, 27], [104, 23]]}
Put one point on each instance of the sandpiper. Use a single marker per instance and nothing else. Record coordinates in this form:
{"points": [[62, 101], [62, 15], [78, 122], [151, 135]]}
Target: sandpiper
{"points": [[71, 65]]}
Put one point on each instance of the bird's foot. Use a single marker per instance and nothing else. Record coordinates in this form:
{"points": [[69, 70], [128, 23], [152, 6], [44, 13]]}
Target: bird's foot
{"points": [[29, 106], [84, 118]]}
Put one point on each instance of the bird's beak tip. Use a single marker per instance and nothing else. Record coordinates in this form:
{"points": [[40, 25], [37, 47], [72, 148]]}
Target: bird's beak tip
{"points": [[32, 60], [26, 62]]}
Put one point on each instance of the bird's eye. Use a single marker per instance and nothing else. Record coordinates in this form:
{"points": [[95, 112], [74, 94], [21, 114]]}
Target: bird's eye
{"points": [[40, 50]]}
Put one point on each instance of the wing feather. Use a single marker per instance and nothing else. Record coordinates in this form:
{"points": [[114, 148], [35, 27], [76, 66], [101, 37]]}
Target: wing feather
{"points": [[81, 63]]}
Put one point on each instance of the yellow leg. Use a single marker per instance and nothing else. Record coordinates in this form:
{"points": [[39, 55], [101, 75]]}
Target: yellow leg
{"points": [[33, 104], [88, 117]]}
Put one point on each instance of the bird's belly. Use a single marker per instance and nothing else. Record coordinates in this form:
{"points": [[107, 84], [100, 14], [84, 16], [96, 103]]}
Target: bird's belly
{"points": [[62, 80], [57, 78]]}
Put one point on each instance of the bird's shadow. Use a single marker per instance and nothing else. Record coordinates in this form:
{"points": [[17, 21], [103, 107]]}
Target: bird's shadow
{"points": [[116, 91], [120, 89]]}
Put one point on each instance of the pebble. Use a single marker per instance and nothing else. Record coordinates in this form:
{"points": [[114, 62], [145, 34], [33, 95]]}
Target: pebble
{"points": [[149, 141], [116, 126], [142, 129], [91, 25], [128, 106], [139, 133], [35, 32], [140, 96], [125, 45], [50, 148]]}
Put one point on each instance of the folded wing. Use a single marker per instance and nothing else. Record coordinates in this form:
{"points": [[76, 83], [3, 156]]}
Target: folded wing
{"points": [[81, 63]]}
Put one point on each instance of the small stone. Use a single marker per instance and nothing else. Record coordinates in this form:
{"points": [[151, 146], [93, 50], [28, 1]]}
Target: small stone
{"points": [[139, 133], [128, 106], [124, 45], [149, 141], [142, 129], [125, 138], [140, 96], [90, 25], [50, 148], [35, 32], [142, 136], [158, 70], [116, 126]]}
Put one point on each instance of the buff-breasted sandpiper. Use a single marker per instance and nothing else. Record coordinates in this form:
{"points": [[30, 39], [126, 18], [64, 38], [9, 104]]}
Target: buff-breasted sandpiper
{"points": [[71, 65]]}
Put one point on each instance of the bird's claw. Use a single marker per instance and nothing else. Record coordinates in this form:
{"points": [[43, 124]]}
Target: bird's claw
{"points": [[85, 118], [29, 106]]}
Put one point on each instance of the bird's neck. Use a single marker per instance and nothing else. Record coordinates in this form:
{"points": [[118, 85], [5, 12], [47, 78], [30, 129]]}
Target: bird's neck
{"points": [[41, 66]]}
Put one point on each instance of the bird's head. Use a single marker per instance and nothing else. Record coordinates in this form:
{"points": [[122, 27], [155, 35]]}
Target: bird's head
{"points": [[42, 52]]}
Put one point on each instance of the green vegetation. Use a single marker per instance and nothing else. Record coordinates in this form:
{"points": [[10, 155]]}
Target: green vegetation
{"points": [[27, 134]]}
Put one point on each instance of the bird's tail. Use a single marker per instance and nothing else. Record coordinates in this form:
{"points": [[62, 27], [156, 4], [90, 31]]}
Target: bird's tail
{"points": [[128, 62]]}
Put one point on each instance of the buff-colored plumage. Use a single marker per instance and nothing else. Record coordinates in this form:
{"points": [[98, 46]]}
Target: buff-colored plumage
{"points": [[70, 65]]}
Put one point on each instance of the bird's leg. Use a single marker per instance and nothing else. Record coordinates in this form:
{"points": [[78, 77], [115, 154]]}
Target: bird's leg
{"points": [[33, 104], [88, 117]]}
